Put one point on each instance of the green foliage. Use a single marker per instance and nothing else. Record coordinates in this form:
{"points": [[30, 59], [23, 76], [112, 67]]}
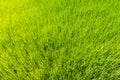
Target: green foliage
{"points": [[59, 40]]}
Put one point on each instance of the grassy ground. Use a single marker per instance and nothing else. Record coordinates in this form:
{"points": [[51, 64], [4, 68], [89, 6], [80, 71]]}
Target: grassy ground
{"points": [[59, 39]]}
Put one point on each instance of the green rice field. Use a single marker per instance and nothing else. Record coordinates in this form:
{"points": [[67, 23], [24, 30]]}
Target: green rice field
{"points": [[59, 39]]}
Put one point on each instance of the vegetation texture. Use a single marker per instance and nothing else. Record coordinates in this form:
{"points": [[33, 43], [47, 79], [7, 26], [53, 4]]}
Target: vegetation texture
{"points": [[59, 39]]}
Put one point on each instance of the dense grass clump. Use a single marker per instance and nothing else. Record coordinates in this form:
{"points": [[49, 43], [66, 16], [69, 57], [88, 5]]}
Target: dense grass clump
{"points": [[59, 39]]}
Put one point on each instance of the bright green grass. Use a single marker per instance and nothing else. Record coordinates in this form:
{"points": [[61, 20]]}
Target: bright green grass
{"points": [[59, 39]]}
